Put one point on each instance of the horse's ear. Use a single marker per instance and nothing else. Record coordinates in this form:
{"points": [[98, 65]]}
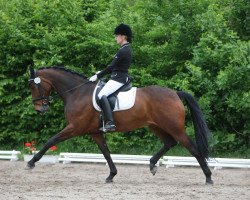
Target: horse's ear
{"points": [[32, 72]]}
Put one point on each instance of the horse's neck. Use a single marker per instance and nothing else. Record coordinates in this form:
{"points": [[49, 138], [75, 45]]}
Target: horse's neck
{"points": [[64, 83], [79, 90]]}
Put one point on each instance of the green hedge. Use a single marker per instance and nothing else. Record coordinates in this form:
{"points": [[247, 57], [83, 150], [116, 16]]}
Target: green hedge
{"points": [[198, 46]]}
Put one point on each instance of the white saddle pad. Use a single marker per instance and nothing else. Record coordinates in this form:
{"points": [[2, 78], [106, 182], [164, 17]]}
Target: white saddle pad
{"points": [[125, 100]]}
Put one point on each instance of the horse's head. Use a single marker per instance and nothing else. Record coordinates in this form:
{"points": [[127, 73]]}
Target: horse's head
{"points": [[40, 90]]}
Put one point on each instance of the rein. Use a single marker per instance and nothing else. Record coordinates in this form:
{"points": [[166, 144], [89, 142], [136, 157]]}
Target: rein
{"points": [[74, 88], [57, 95]]}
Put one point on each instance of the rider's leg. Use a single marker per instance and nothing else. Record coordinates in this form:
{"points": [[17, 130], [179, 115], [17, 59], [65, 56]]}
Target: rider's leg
{"points": [[110, 87], [108, 117]]}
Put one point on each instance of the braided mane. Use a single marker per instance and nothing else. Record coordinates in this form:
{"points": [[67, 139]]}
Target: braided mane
{"points": [[65, 70]]}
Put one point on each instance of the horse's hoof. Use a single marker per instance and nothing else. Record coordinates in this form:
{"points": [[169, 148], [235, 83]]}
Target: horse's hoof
{"points": [[109, 181], [209, 182], [29, 166], [153, 170]]}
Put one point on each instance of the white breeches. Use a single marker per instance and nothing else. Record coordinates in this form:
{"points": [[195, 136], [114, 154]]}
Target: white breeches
{"points": [[110, 87]]}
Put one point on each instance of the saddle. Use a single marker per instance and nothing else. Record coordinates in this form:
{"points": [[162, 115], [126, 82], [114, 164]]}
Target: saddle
{"points": [[122, 99]]}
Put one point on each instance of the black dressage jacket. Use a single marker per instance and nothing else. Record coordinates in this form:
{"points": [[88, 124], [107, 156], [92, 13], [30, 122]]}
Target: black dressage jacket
{"points": [[119, 66]]}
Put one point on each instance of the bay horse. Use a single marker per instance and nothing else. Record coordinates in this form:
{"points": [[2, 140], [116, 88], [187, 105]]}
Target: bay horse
{"points": [[158, 108]]}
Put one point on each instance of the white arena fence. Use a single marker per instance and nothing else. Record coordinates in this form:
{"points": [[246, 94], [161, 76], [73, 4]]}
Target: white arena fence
{"points": [[99, 158], [9, 155], [217, 163], [168, 161]]}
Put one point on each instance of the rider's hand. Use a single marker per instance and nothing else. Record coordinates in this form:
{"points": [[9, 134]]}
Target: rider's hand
{"points": [[93, 78]]}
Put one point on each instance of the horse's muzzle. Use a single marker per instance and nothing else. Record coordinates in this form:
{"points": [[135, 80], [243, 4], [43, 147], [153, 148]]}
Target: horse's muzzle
{"points": [[41, 109]]}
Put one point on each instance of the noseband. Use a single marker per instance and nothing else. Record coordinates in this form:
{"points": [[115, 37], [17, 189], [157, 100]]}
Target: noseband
{"points": [[46, 100]]}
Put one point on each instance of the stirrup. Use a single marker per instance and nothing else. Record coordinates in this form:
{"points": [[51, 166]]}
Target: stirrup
{"points": [[109, 126]]}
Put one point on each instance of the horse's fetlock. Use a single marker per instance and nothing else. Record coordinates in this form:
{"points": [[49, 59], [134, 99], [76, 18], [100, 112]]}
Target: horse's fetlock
{"points": [[152, 162]]}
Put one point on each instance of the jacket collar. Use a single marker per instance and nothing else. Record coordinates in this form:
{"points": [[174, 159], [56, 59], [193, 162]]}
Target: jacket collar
{"points": [[124, 45]]}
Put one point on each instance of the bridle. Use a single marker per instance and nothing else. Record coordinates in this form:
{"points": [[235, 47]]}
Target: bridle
{"points": [[45, 100]]}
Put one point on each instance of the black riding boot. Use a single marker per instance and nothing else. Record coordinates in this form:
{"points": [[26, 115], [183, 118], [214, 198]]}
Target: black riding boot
{"points": [[108, 116]]}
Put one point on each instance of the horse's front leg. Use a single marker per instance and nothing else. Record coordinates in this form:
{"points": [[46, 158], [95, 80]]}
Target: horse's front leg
{"points": [[101, 142], [65, 134]]}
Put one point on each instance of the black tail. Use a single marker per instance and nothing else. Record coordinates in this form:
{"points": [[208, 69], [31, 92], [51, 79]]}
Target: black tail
{"points": [[200, 126]]}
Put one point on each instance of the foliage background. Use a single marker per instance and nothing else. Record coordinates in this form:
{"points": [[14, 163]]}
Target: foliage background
{"points": [[199, 46]]}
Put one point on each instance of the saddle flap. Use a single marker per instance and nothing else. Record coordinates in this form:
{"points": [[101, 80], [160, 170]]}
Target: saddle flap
{"points": [[122, 99]]}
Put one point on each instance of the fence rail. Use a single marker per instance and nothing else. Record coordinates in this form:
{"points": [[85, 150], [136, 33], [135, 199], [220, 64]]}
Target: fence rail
{"points": [[169, 161], [9, 155], [99, 158], [217, 163]]}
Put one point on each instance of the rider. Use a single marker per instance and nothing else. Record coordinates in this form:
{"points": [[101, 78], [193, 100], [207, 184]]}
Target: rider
{"points": [[118, 70]]}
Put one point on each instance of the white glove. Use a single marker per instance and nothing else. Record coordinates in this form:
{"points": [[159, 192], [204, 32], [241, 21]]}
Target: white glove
{"points": [[93, 78]]}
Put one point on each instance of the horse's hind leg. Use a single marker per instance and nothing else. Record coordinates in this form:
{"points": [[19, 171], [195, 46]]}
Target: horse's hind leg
{"points": [[193, 149], [168, 141]]}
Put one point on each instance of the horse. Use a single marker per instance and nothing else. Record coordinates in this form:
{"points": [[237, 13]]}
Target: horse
{"points": [[160, 109]]}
